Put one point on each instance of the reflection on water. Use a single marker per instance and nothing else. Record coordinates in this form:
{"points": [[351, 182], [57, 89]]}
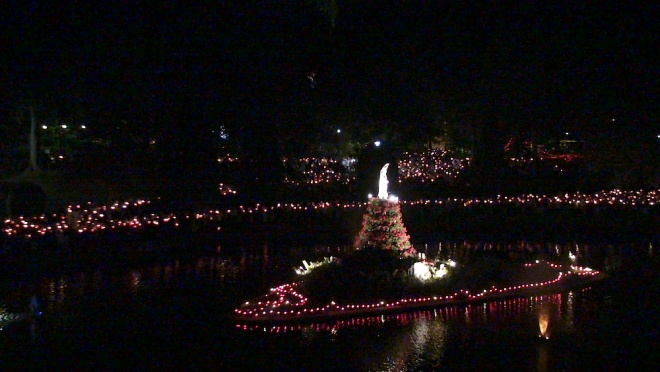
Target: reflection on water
{"points": [[542, 361], [273, 264], [425, 343], [544, 319], [7, 317], [570, 310], [432, 339], [419, 340], [56, 292], [473, 314]]}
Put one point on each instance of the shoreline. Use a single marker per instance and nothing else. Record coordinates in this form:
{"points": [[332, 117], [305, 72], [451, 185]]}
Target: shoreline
{"points": [[263, 311]]}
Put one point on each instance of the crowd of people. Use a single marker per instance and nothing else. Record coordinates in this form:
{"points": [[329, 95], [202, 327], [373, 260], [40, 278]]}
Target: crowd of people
{"points": [[430, 166], [426, 166], [314, 171]]}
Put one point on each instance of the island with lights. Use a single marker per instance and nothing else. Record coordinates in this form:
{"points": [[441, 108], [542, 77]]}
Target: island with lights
{"points": [[384, 273]]}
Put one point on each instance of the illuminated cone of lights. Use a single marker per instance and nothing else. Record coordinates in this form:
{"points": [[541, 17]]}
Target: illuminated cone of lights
{"points": [[382, 227]]}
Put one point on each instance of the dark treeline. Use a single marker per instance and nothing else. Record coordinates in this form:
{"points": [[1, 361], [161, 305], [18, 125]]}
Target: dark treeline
{"points": [[162, 88]]}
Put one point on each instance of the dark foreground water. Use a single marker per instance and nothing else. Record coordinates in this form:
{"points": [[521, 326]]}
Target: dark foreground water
{"points": [[172, 314]]}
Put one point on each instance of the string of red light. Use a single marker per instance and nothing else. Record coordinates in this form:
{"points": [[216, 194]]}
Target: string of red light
{"points": [[505, 307], [269, 309], [90, 218]]}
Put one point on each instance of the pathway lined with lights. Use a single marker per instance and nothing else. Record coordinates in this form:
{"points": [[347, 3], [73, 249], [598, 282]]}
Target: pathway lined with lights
{"points": [[90, 218], [285, 303]]}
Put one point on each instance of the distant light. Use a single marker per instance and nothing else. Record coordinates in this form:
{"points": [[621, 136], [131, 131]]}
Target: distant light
{"points": [[83, 126], [338, 130], [46, 127], [63, 126], [613, 119], [377, 143], [567, 133], [370, 196]]}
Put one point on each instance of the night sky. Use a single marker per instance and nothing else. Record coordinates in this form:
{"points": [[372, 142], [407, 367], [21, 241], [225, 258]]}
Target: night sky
{"points": [[543, 66]]}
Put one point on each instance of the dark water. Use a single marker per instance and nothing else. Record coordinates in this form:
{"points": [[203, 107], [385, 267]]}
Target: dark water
{"points": [[172, 314]]}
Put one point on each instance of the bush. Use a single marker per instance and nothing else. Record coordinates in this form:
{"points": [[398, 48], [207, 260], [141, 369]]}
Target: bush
{"points": [[372, 275], [368, 274]]}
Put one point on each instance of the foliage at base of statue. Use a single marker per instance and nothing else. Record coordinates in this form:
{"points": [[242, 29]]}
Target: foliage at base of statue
{"points": [[373, 274], [307, 267], [367, 274], [382, 227]]}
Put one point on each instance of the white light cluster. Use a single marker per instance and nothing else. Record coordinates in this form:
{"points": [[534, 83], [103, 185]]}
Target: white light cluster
{"points": [[426, 271], [307, 267]]}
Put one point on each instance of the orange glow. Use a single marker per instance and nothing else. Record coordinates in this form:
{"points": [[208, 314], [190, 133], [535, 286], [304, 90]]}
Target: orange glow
{"points": [[544, 320]]}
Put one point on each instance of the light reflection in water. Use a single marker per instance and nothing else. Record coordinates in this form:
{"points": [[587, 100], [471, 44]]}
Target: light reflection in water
{"points": [[7, 317], [430, 335], [429, 340], [542, 361], [502, 311], [61, 290], [54, 293], [418, 340], [136, 275], [544, 319], [570, 310]]}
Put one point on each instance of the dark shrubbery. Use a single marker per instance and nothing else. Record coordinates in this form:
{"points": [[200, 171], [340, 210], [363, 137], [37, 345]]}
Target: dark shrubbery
{"points": [[372, 275], [20, 199], [368, 274]]}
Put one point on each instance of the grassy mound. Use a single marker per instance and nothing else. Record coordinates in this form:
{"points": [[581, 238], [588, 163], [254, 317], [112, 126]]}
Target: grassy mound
{"points": [[372, 275], [366, 274]]}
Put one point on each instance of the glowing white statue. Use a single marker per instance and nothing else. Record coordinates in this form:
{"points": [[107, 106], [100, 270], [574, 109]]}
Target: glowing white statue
{"points": [[382, 184]]}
